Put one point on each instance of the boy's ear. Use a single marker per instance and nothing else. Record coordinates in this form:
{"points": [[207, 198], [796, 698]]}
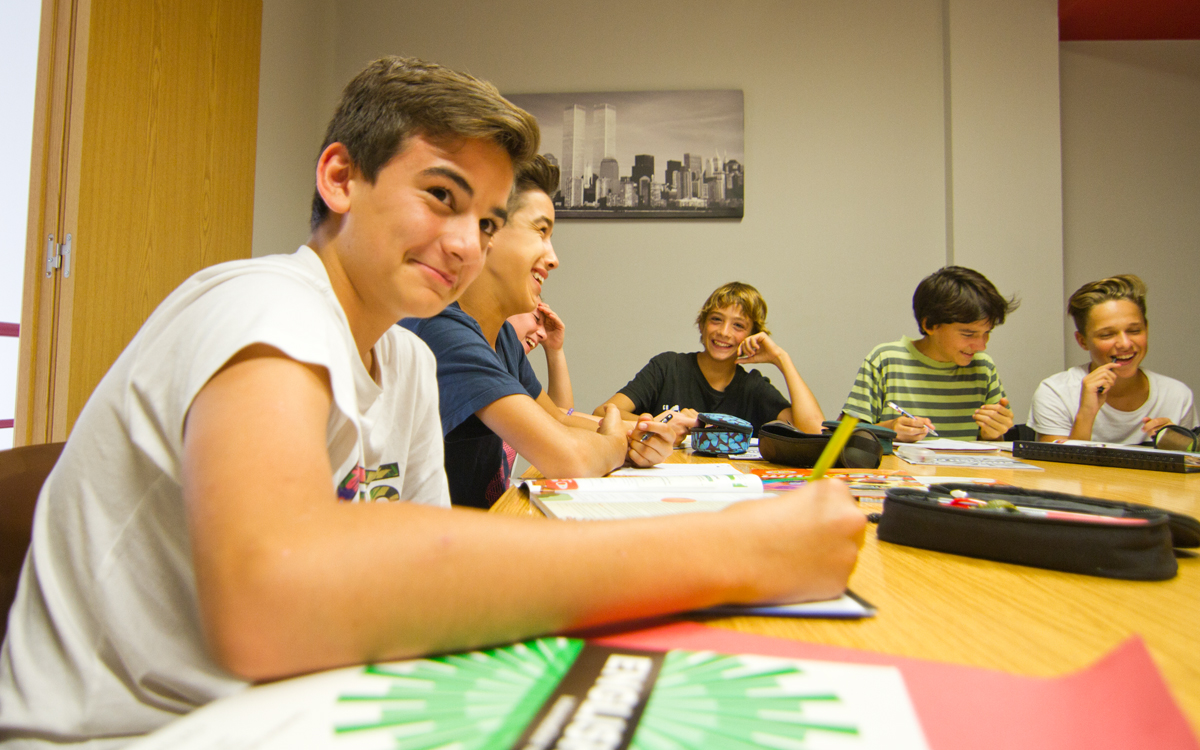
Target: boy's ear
{"points": [[1079, 339], [334, 172]]}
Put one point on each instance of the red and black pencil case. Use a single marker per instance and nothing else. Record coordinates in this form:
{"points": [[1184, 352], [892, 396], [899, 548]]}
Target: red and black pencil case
{"points": [[1042, 529]]}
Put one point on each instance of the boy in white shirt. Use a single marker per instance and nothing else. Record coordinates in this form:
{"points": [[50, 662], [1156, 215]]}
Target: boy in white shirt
{"points": [[190, 538], [1113, 398]]}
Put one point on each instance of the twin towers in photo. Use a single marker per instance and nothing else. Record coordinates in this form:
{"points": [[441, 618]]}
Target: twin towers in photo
{"points": [[591, 174]]}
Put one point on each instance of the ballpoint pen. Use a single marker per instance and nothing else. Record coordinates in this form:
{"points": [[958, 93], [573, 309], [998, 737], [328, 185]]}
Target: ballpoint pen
{"points": [[1100, 390], [666, 418], [910, 416]]}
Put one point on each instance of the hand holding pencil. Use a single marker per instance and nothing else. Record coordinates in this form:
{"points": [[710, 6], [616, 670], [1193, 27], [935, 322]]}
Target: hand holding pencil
{"points": [[909, 427]]}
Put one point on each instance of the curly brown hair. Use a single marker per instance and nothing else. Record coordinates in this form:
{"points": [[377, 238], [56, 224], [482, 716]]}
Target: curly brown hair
{"points": [[746, 297]]}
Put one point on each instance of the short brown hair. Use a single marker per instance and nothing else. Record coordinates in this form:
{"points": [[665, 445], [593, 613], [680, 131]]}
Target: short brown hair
{"points": [[955, 294], [536, 174], [1126, 286], [744, 296], [396, 97]]}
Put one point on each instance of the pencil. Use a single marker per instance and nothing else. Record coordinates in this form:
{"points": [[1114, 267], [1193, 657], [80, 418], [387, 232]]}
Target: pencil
{"points": [[833, 448]]}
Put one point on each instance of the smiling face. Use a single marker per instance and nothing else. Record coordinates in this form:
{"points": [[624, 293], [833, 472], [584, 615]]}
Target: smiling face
{"points": [[956, 342], [521, 257], [724, 331], [1116, 332], [530, 329], [409, 243]]}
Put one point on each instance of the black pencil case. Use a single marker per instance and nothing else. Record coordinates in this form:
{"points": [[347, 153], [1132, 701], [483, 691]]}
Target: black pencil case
{"points": [[886, 435], [1142, 552], [781, 443]]}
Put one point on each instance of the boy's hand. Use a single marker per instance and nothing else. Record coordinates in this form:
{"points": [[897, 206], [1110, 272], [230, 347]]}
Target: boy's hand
{"points": [[683, 422], [1152, 426], [800, 545], [655, 448], [556, 330], [1097, 384], [759, 348], [909, 429], [611, 425], [994, 420]]}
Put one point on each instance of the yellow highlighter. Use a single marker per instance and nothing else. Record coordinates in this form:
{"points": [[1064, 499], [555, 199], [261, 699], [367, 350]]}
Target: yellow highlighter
{"points": [[833, 448]]}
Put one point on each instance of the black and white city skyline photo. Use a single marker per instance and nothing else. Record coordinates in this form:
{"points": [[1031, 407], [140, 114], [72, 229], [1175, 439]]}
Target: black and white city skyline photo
{"points": [[644, 154]]}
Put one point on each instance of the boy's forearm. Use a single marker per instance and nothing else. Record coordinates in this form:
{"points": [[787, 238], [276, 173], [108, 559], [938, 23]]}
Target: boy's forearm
{"points": [[559, 386], [626, 416], [806, 412], [1081, 428], [558, 445], [430, 580], [582, 452]]}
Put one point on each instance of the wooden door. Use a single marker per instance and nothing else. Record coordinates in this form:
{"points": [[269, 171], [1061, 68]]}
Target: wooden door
{"points": [[144, 146]]}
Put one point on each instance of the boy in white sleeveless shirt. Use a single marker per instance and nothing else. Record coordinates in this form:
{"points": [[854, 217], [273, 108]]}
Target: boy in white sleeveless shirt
{"points": [[191, 538]]}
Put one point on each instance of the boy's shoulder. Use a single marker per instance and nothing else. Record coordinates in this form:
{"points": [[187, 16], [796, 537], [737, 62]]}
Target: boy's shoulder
{"points": [[902, 348], [297, 277], [673, 359], [452, 321]]}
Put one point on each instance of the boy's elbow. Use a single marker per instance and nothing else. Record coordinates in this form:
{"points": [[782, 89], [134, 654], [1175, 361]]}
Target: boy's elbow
{"points": [[245, 644], [246, 623]]}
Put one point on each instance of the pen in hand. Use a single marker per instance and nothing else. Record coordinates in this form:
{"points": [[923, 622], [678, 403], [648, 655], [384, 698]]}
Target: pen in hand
{"points": [[666, 418], [910, 416], [1101, 389]]}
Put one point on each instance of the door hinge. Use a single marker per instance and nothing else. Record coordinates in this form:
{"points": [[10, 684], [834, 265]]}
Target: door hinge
{"points": [[58, 256]]}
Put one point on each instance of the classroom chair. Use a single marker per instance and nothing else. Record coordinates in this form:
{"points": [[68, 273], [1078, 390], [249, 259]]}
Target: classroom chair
{"points": [[1020, 432], [22, 472]]}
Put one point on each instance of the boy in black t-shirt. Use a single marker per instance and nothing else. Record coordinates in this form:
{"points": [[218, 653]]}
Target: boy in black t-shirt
{"points": [[733, 330]]}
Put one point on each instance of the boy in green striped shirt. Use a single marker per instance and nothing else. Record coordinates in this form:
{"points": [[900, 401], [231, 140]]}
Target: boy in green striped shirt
{"points": [[943, 380]]}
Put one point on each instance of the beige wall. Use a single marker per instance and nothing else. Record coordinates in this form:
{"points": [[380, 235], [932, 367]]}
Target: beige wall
{"points": [[882, 139], [1131, 185], [1006, 180], [297, 90]]}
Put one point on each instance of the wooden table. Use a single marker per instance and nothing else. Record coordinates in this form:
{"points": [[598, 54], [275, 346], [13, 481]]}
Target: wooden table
{"points": [[1007, 617]]}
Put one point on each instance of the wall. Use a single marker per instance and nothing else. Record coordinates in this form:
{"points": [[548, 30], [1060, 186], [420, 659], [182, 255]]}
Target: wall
{"points": [[1131, 184], [297, 90], [18, 60], [873, 154], [1005, 181]]}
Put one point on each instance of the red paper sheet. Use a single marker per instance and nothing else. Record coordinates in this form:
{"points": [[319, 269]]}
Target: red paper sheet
{"points": [[1120, 702]]}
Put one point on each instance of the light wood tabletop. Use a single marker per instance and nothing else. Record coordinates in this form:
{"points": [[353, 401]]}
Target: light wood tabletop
{"points": [[1008, 617]]}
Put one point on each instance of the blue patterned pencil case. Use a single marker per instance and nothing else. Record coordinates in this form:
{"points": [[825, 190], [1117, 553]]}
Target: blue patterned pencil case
{"points": [[721, 434]]}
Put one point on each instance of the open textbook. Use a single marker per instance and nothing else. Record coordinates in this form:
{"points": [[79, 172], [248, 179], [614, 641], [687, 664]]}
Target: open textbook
{"points": [[664, 490]]}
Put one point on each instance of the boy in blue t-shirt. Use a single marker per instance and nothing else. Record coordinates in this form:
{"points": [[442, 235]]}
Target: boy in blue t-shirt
{"points": [[489, 394]]}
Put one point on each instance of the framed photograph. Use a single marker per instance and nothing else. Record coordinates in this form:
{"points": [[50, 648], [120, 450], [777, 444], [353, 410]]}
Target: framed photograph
{"points": [[644, 154]]}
